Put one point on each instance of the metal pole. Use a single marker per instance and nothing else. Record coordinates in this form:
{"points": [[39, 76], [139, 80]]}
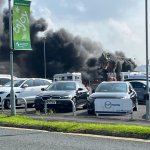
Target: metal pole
{"points": [[147, 61], [44, 60], [12, 94]]}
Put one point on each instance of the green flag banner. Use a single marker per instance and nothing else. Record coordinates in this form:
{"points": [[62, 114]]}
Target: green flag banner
{"points": [[21, 25]]}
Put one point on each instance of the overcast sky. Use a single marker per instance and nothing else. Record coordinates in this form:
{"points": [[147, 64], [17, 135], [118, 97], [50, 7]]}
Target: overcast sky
{"points": [[119, 25]]}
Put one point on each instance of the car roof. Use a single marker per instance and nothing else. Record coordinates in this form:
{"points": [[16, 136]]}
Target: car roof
{"points": [[32, 78], [114, 82], [68, 81]]}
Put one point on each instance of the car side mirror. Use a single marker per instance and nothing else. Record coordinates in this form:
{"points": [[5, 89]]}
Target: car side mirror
{"points": [[25, 86], [130, 91], [42, 89]]}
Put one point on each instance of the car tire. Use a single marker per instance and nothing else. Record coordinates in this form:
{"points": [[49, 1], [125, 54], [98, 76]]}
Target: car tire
{"points": [[135, 107], [7, 104], [30, 105], [90, 112], [41, 109]]}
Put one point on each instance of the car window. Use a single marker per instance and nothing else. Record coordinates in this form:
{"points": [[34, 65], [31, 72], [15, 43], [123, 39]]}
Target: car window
{"points": [[29, 83], [4, 81], [62, 86], [46, 82], [112, 87], [138, 85], [16, 82], [38, 82]]}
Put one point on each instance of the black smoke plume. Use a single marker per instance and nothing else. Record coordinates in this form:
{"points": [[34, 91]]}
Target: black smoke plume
{"points": [[64, 53]]}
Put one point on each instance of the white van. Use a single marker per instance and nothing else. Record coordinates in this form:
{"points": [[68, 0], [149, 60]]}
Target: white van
{"points": [[128, 76], [75, 76]]}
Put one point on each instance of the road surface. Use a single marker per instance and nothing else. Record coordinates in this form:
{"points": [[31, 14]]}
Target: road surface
{"points": [[21, 139]]}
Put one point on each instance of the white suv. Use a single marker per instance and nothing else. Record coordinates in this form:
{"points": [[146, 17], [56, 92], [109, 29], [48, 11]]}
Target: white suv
{"points": [[26, 88]]}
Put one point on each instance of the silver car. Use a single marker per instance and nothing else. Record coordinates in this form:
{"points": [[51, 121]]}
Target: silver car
{"points": [[112, 90]]}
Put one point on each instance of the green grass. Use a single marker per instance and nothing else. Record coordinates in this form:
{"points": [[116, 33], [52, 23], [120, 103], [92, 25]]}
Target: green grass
{"points": [[107, 129]]}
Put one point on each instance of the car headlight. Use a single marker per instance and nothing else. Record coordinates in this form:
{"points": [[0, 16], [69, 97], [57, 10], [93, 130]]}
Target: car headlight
{"points": [[66, 97], [125, 97], [2, 92]]}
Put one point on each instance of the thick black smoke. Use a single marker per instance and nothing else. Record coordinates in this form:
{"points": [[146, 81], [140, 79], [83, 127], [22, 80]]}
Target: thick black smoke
{"points": [[64, 53]]}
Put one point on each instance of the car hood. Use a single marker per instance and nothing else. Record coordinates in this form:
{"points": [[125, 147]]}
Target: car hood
{"points": [[57, 93], [109, 95]]}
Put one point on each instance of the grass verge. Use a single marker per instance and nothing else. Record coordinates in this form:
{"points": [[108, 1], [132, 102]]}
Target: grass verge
{"points": [[133, 131]]}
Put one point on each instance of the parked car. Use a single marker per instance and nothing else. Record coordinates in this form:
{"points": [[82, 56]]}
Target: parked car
{"points": [[4, 78], [59, 94], [141, 89], [112, 90], [26, 88]]}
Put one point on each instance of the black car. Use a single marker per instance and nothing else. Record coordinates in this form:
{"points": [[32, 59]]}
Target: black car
{"points": [[141, 89], [59, 94], [108, 90]]}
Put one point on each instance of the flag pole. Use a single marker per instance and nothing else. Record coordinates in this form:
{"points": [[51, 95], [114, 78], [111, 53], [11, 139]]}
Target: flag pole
{"points": [[12, 93]]}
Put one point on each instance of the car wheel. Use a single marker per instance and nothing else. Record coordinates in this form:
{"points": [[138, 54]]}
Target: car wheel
{"points": [[135, 107], [90, 112], [41, 109], [7, 104], [29, 105]]}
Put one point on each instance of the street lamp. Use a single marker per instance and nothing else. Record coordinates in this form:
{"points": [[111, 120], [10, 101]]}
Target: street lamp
{"points": [[44, 59], [12, 93], [147, 62]]}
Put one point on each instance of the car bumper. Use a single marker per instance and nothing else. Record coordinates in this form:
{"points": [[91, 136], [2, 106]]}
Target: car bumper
{"points": [[58, 103]]}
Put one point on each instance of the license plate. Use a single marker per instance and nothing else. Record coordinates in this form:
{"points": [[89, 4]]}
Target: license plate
{"points": [[49, 101]]}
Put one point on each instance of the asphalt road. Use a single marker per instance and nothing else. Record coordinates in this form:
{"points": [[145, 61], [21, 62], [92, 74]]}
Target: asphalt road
{"points": [[21, 139], [82, 116]]}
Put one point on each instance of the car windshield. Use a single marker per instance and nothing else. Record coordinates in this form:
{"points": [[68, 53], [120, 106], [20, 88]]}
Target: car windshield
{"points": [[112, 87], [62, 86], [17, 83]]}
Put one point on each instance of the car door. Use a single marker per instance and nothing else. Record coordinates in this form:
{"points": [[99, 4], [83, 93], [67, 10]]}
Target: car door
{"points": [[140, 89], [82, 94], [27, 90]]}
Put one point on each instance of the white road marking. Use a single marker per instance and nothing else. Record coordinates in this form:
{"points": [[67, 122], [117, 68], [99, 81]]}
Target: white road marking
{"points": [[110, 137], [14, 128]]}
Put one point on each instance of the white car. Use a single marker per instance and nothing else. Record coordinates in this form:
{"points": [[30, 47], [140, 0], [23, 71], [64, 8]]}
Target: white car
{"points": [[4, 78], [26, 88]]}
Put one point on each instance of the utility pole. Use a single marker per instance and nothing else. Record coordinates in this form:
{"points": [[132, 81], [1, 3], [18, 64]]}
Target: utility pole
{"points": [[12, 93], [147, 62], [44, 59]]}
